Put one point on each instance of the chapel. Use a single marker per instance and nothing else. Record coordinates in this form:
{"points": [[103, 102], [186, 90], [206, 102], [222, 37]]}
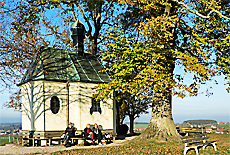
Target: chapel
{"points": [[58, 89]]}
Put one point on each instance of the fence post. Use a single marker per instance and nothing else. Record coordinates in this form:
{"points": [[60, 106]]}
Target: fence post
{"points": [[9, 138]]}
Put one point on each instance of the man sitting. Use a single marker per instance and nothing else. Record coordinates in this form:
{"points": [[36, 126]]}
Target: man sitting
{"points": [[69, 133]]}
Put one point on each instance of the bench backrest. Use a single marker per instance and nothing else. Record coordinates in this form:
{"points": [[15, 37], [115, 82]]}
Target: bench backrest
{"points": [[24, 134], [191, 130], [99, 126], [194, 138]]}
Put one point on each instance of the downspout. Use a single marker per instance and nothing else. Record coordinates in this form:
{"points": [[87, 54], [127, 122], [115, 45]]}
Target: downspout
{"points": [[67, 103], [114, 116], [44, 107]]}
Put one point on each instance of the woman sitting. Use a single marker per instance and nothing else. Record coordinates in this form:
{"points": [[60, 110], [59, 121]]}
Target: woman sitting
{"points": [[88, 133], [97, 132]]}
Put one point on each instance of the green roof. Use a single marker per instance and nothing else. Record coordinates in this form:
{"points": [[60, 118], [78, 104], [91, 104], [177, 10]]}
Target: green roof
{"points": [[62, 65]]}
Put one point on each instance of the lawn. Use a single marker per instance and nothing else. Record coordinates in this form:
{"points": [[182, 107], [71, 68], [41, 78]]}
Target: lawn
{"points": [[141, 125], [152, 147], [4, 139]]}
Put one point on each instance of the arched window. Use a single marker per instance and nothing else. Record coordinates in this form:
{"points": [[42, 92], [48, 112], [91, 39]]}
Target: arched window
{"points": [[54, 104], [95, 106]]}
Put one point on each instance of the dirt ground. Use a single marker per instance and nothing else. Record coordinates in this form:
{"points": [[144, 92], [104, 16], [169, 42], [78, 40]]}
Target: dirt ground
{"points": [[15, 149]]}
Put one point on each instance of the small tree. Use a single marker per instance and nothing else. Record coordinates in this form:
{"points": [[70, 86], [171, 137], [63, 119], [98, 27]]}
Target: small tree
{"points": [[132, 106]]}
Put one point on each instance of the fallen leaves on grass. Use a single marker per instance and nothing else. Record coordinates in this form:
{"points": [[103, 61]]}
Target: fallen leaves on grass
{"points": [[152, 147]]}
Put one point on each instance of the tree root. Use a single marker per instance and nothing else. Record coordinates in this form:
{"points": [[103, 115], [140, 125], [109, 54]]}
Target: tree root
{"points": [[160, 135]]}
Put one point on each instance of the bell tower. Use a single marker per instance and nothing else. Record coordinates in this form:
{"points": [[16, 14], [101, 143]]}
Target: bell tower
{"points": [[78, 36]]}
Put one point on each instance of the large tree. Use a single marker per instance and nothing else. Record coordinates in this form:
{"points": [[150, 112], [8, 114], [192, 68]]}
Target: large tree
{"points": [[193, 35]]}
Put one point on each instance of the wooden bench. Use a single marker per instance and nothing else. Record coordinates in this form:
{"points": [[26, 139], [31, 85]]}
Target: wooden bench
{"points": [[22, 138], [54, 136], [74, 140], [34, 139], [37, 137], [88, 138], [195, 141], [190, 131], [49, 137]]}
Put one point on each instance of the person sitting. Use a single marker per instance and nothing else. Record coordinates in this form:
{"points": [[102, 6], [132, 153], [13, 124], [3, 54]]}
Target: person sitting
{"points": [[88, 133], [69, 133], [98, 134]]}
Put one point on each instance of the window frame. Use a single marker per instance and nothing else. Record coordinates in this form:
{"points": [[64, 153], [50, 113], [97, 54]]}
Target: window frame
{"points": [[55, 105], [95, 106]]}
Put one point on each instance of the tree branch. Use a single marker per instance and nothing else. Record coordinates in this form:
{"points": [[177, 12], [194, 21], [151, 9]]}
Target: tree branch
{"points": [[199, 14], [87, 21], [74, 17]]}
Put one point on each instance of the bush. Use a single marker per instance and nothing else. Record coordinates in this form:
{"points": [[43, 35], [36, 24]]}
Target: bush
{"points": [[123, 129]]}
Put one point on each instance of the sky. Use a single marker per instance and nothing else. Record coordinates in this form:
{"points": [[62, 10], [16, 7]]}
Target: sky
{"points": [[215, 107]]}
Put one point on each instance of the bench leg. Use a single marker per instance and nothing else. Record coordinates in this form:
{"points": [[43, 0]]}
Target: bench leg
{"points": [[25, 142], [18, 141], [196, 150], [214, 145], [185, 150], [50, 142], [33, 142]]}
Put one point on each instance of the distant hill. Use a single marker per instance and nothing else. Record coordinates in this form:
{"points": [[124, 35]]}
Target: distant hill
{"points": [[141, 123], [7, 124], [199, 122], [11, 126]]}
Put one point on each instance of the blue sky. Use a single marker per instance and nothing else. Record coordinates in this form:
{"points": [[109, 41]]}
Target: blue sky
{"points": [[216, 107], [8, 115]]}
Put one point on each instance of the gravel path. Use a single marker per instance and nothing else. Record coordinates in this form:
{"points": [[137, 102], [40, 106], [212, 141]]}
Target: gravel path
{"points": [[14, 149]]}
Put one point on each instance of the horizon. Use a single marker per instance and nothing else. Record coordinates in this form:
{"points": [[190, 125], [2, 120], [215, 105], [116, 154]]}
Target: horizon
{"points": [[144, 122]]}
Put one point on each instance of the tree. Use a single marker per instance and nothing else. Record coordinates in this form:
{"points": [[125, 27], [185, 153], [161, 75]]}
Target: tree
{"points": [[132, 106], [192, 35], [28, 25]]}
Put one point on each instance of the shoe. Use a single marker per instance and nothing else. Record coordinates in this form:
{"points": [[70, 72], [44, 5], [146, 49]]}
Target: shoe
{"points": [[67, 145]]}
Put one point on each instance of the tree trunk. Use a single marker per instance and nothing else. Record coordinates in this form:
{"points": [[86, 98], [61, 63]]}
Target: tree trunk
{"points": [[131, 119], [94, 46], [161, 126]]}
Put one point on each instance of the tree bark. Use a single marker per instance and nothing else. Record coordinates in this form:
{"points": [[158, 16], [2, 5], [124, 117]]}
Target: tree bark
{"points": [[131, 119], [94, 46], [161, 126]]}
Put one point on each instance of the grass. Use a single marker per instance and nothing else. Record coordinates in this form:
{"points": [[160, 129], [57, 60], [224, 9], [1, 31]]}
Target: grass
{"points": [[4, 139], [152, 147], [141, 125], [4, 143]]}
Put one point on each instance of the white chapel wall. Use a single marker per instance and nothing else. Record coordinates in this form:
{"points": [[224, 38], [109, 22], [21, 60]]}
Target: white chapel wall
{"points": [[80, 94], [32, 106], [55, 121]]}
